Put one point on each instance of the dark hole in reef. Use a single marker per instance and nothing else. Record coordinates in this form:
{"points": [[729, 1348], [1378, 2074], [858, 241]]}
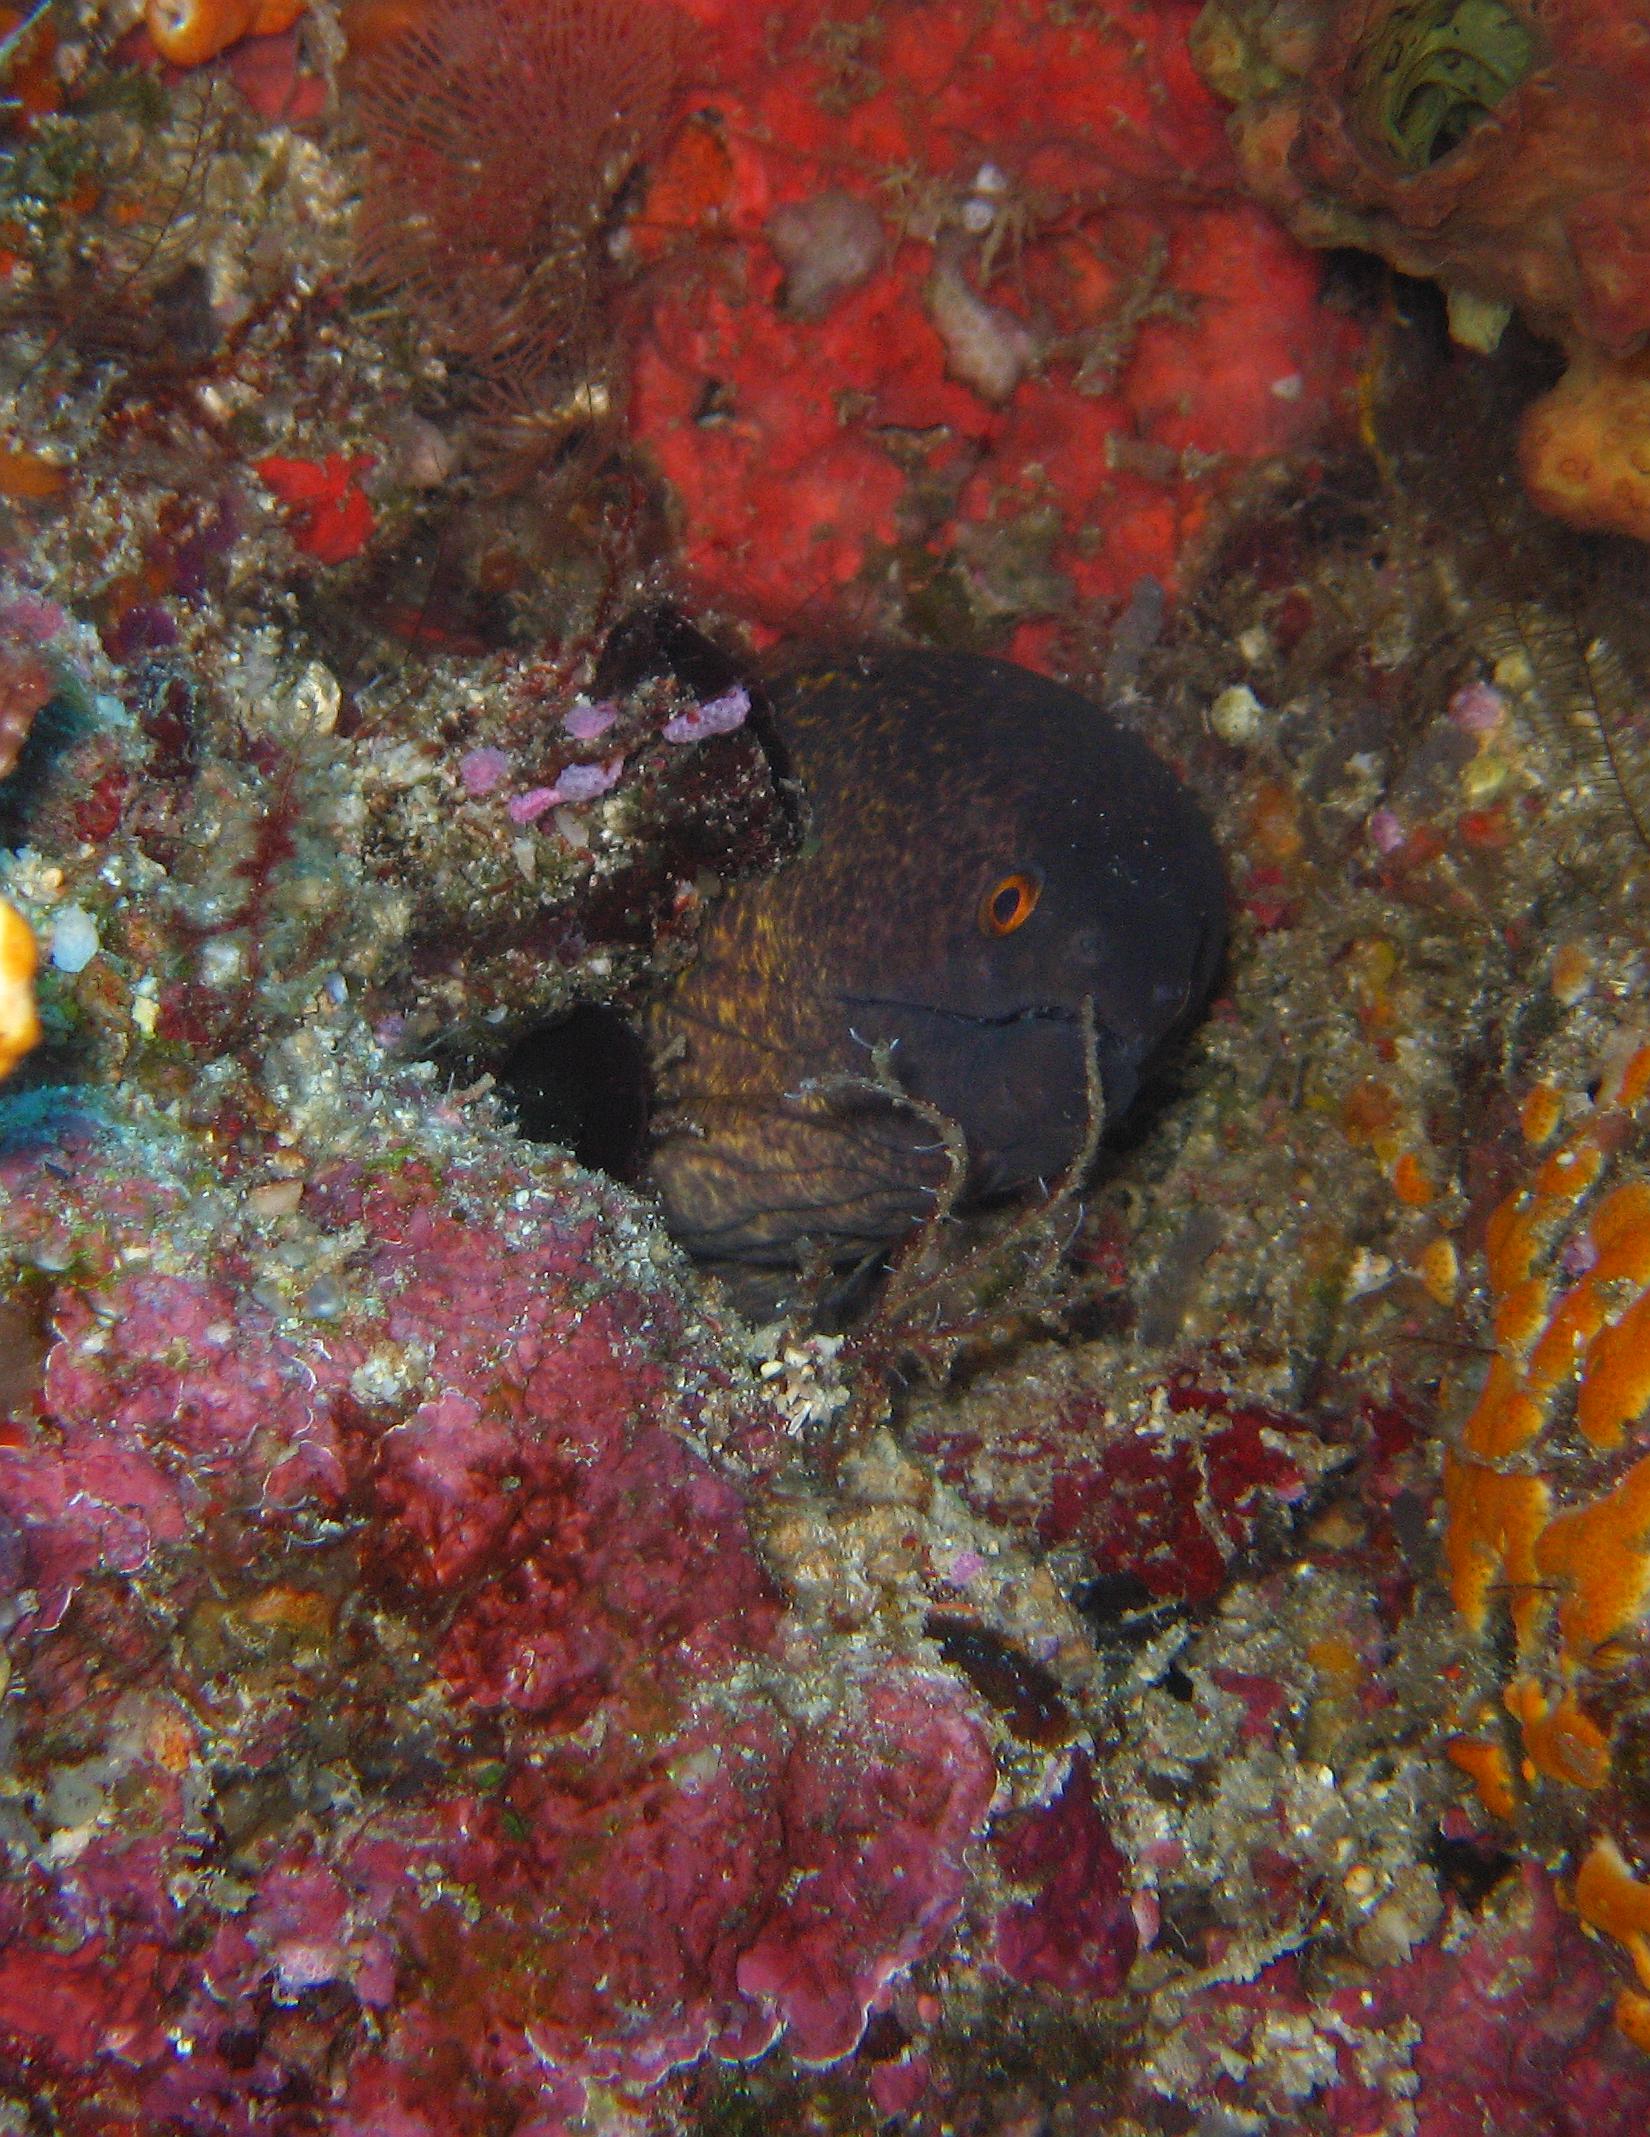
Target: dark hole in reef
{"points": [[240, 2046], [1026, 1694], [1471, 1867], [884, 2038], [1439, 394], [1355, 282], [62, 721], [582, 1082], [1119, 1606]]}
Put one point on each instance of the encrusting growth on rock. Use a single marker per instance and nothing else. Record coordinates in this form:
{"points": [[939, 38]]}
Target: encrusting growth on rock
{"points": [[19, 1024]]}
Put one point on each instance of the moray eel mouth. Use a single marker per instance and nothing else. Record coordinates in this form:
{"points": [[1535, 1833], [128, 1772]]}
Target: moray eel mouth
{"points": [[1017, 1078], [987, 852]]}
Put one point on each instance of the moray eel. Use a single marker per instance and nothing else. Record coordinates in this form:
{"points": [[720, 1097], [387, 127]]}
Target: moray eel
{"points": [[985, 850]]}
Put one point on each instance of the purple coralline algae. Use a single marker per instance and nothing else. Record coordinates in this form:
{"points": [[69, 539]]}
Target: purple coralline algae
{"points": [[404, 1716], [578, 783], [1076, 1932], [584, 721]]}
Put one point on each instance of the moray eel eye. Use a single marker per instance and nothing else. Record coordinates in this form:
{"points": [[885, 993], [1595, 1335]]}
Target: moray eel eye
{"points": [[1009, 904], [1433, 71]]}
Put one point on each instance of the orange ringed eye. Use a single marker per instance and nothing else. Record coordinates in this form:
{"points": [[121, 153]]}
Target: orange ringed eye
{"points": [[1009, 904]]}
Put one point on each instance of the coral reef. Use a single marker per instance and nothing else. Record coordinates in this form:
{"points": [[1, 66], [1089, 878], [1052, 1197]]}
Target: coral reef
{"points": [[459, 1677], [444, 1595], [1496, 147]]}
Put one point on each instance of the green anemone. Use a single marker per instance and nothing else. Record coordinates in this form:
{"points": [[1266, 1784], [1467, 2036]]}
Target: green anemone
{"points": [[1435, 69]]}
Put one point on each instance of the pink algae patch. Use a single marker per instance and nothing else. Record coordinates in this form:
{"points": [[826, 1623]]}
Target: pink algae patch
{"points": [[1076, 1932], [577, 1832], [141, 1444], [798, 1872], [569, 1539], [1504, 2025], [880, 1840]]}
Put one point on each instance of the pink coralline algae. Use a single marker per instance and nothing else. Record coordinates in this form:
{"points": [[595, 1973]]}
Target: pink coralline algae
{"points": [[1076, 1932], [1506, 2028], [1516, 2030], [480, 770], [1169, 1508], [577, 783], [876, 1838], [413, 1734], [584, 721]]}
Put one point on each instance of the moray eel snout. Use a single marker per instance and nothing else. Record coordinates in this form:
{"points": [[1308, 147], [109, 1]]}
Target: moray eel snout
{"points": [[986, 851]]}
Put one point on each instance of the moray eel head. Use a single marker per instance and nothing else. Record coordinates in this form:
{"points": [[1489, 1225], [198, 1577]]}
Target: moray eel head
{"points": [[986, 851]]}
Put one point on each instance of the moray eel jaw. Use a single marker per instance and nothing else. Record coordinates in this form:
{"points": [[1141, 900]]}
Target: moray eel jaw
{"points": [[977, 1070]]}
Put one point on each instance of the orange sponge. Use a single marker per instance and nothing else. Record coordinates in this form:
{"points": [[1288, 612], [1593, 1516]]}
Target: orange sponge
{"points": [[19, 1025], [1585, 447], [187, 32]]}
